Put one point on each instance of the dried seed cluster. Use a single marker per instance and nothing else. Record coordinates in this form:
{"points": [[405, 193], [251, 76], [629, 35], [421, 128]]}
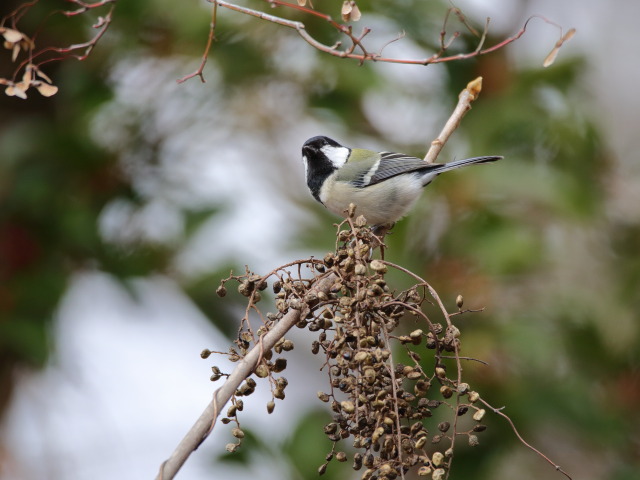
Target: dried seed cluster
{"points": [[385, 407]]}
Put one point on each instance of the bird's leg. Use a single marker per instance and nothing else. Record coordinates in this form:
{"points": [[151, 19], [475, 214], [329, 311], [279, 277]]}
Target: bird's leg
{"points": [[379, 232]]}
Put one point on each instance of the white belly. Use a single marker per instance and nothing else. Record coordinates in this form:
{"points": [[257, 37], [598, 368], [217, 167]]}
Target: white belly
{"points": [[383, 203]]}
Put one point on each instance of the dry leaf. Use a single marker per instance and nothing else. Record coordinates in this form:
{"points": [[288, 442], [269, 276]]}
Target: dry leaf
{"points": [[355, 13], [27, 77], [350, 11], [569, 35], [42, 75], [46, 90], [549, 59], [15, 41], [26, 43], [346, 10], [554, 52], [14, 91], [11, 35], [24, 86]]}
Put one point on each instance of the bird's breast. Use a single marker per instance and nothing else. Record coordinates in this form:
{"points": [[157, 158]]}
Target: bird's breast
{"points": [[382, 203]]}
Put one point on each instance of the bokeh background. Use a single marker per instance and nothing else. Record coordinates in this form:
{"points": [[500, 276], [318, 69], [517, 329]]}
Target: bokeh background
{"points": [[126, 197]]}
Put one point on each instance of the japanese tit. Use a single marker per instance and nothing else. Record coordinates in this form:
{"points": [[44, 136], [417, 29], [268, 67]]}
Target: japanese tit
{"points": [[383, 185]]}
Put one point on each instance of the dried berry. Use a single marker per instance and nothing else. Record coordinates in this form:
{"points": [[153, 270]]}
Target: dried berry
{"points": [[478, 415], [437, 458], [232, 447], [378, 266], [446, 392]]}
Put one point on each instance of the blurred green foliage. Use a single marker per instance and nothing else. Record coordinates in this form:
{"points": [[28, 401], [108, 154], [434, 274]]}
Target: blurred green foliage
{"points": [[528, 238]]}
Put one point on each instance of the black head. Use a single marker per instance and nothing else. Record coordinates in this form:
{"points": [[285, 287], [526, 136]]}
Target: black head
{"points": [[316, 143], [322, 156]]}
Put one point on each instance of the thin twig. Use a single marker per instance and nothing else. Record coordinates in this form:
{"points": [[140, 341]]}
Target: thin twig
{"points": [[345, 29], [424, 283], [465, 358], [205, 55], [391, 368], [484, 34], [466, 97], [357, 41], [531, 447], [400, 36], [83, 7], [87, 46], [463, 20]]}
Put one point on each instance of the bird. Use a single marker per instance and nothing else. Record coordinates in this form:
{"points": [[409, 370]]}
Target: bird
{"points": [[382, 185]]}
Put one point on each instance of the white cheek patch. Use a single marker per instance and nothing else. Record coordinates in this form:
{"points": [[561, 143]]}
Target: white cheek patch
{"points": [[337, 155], [306, 166]]}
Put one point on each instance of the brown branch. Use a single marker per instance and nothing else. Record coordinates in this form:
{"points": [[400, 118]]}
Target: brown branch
{"points": [[466, 97], [462, 18], [88, 46], [205, 55], [400, 36], [345, 29], [18, 13], [204, 425], [483, 37], [83, 7], [29, 67], [364, 55]]}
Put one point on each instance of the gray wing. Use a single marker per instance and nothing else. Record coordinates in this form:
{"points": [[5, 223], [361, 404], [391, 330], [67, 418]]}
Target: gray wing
{"points": [[392, 164]]}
